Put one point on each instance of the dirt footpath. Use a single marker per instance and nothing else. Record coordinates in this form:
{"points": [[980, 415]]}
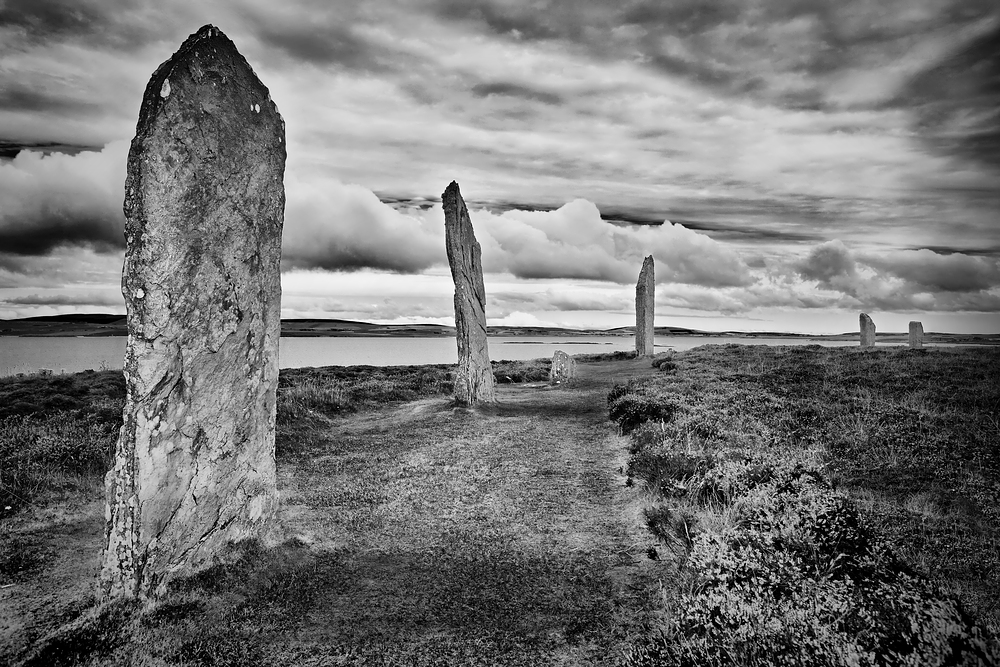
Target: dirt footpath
{"points": [[504, 536], [426, 534]]}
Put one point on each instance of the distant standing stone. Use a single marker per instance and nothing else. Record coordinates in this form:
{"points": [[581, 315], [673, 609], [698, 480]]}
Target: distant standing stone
{"points": [[474, 380], [563, 367], [916, 335], [867, 331], [204, 207], [645, 290]]}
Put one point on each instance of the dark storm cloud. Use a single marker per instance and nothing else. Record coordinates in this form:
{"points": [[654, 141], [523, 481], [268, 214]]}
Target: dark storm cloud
{"points": [[15, 96], [827, 262], [324, 44], [53, 227], [535, 22], [515, 90], [781, 51], [903, 279], [957, 101], [105, 298], [962, 250], [120, 24], [46, 18], [944, 273]]}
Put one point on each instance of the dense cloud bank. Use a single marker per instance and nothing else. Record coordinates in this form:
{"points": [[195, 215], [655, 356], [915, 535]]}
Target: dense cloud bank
{"points": [[47, 201], [62, 221]]}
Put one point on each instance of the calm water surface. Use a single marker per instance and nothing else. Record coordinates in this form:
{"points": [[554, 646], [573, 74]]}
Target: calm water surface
{"points": [[71, 355]]}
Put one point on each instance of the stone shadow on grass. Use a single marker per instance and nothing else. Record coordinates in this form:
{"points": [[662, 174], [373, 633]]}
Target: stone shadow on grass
{"points": [[472, 590]]}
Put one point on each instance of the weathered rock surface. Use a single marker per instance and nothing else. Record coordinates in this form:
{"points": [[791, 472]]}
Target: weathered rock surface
{"points": [[204, 206], [644, 293], [474, 380], [563, 367], [867, 331], [916, 335]]}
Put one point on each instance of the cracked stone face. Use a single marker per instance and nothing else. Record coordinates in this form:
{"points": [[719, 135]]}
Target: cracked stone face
{"points": [[916, 335], [645, 291], [204, 206], [474, 378], [867, 327], [563, 367]]}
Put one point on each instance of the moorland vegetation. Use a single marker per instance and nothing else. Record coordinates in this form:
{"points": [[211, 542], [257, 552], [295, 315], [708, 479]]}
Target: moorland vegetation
{"points": [[830, 506], [804, 506]]}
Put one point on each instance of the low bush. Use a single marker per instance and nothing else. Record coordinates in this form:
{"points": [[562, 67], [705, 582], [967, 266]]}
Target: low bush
{"points": [[632, 410], [664, 361], [532, 370]]}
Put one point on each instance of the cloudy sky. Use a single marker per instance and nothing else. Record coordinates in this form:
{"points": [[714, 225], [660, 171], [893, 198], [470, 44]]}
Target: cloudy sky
{"points": [[788, 163]]}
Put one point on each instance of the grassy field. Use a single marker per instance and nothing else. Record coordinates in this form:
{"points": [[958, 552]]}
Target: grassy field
{"points": [[745, 505], [830, 505], [412, 533]]}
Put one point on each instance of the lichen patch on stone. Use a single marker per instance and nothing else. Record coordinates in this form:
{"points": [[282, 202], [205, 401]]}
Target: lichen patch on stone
{"points": [[165, 89]]}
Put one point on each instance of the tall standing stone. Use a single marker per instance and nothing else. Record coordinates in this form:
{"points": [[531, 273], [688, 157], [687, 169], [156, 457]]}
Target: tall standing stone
{"points": [[204, 207], [644, 292], [867, 327], [916, 335], [563, 367], [474, 380]]}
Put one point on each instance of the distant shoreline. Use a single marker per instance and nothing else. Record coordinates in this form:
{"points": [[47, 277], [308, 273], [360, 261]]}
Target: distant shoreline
{"points": [[109, 325]]}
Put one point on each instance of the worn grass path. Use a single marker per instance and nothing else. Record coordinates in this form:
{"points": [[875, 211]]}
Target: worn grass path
{"points": [[499, 536], [425, 535]]}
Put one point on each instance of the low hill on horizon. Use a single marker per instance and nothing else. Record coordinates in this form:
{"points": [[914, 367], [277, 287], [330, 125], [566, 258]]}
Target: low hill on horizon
{"points": [[114, 324]]}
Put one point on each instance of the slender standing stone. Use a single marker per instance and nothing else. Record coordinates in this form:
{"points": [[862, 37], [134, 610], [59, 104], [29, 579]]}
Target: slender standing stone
{"points": [[204, 208], [644, 293], [563, 367], [916, 335], [474, 380], [867, 331]]}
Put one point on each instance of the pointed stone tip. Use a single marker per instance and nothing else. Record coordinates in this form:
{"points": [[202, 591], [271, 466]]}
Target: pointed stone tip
{"points": [[451, 193], [208, 30]]}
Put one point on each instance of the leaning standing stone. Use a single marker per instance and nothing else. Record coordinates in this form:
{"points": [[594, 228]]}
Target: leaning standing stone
{"points": [[563, 367], [644, 293], [916, 335], [474, 380], [867, 331], [204, 206]]}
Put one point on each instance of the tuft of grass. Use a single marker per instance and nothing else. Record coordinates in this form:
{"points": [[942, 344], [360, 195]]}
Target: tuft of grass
{"points": [[44, 456], [674, 527]]}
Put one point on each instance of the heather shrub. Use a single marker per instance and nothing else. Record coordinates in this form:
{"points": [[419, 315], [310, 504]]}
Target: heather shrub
{"points": [[631, 410], [670, 473], [754, 602]]}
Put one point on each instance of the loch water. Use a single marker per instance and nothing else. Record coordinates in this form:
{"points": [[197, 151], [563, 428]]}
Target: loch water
{"points": [[74, 354]]}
